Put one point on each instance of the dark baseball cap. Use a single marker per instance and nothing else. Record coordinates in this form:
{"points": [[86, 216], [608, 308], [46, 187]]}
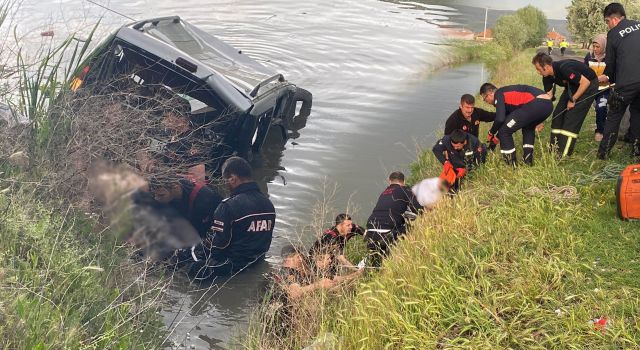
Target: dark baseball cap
{"points": [[290, 249]]}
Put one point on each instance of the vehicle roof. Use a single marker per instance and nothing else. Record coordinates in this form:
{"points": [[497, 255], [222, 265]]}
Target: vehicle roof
{"points": [[172, 37]]}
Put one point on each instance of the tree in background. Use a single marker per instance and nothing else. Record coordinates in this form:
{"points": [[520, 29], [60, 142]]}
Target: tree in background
{"points": [[525, 28], [535, 24], [584, 18]]}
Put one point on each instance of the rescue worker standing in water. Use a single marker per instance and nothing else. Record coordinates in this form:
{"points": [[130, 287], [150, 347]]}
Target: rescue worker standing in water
{"points": [[622, 57], [336, 238], [242, 226]]}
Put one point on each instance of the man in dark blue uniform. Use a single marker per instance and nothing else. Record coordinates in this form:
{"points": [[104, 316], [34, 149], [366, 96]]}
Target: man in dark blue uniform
{"points": [[467, 118], [462, 150], [580, 89], [623, 55], [387, 219], [517, 107], [242, 226]]}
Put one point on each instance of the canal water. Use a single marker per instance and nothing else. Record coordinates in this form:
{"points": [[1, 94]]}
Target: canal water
{"points": [[378, 98]]}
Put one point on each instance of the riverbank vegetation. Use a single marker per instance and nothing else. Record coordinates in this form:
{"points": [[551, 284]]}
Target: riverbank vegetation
{"points": [[532, 257], [66, 281]]}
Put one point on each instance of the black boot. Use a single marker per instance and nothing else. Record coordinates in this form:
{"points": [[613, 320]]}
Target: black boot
{"points": [[527, 156], [510, 159]]}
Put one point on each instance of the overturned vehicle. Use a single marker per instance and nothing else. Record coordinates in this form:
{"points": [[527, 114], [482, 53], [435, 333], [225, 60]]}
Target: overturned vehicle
{"points": [[211, 101]]}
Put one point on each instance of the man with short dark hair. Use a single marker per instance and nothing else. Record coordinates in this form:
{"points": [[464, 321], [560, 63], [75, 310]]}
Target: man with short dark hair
{"points": [[517, 107], [242, 226], [336, 238], [622, 69], [461, 150], [467, 118], [580, 89], [387, 220]]}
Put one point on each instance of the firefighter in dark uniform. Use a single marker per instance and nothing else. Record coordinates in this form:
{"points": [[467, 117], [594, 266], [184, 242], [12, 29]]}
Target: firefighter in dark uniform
{"points": [[462, 151], [242, 226], [580, 89], [623, 55], [467, 118], [336, 238], [387, 220], [517, 107], [192, 199]]}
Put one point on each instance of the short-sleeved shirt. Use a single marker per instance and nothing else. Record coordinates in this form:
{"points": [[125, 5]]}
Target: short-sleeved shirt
{"points": [[457, 121], [568, 73]]}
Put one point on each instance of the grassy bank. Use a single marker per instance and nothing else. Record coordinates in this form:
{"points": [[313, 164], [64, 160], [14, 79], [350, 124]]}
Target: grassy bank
{"points": [[65, 286], [522, 258]]}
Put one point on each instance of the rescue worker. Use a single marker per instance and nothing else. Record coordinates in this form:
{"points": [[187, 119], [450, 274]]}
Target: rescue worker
{"points": [[517, 107], [192, 199], [336, 238], [563, 46], [622, 57], [595, 61], [580, 89], [467, 118], [462, 150], [549, 46], [387, 220], [242, 226]]}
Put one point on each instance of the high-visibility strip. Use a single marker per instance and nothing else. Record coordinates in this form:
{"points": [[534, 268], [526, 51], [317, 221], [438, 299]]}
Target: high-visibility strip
{"points": [[527, 146], [568, 145], [470, 153], [564, 132], [509, 151]]}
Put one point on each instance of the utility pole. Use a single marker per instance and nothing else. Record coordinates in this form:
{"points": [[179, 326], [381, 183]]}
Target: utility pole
{"points": [[486, 14]]}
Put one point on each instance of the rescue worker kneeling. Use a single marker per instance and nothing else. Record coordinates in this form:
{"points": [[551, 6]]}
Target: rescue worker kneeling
{"points": [[387, 220], [242, 227], [460, 151]]}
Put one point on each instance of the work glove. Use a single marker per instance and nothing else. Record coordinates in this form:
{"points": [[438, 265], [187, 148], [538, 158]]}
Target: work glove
{"points": [[461, 172], [448, 174], [492, 139]]}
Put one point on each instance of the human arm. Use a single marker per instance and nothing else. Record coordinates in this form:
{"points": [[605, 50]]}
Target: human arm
{"points": [[450, 125], [501, 112], [609, 75], [296, 290], [439, 150], [219, 235], [584, 85], [485, 116], [344, 262]]}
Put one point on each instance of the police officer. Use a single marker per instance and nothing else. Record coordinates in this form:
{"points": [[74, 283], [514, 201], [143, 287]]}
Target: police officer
{"points": [[192, 199], [462, 150], [467, 118], [387, 220], [622, 57], [517, 107], [580, 89], [336, 237], [242, 226]]}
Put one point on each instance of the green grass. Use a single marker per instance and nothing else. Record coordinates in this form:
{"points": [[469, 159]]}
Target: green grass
{"points": [[65, 286], [510, 263]]}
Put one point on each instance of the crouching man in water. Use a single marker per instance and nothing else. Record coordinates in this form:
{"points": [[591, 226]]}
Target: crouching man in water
{"points": [[336, 238], [298, 276], [242, 226], [460, 151], [517, 107], [387, 219]]}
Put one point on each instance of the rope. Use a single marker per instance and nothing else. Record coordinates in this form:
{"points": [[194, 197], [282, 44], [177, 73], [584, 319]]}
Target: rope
{"points": [[555, 192], [608, 173]]}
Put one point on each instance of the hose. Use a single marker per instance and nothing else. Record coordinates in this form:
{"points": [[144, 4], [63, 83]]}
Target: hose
{"points": [[609, 173]]}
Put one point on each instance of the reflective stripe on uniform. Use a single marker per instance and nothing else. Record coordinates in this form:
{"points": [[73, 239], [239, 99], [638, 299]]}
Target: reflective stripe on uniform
{"points": [[509, 151], [565, 133], [567, 146], [470, 153], [527, 146]]}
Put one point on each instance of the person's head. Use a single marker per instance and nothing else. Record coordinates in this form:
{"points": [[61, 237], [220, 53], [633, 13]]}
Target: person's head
{"points": [[467, 103], [343, 224], [165, 189], [487, 91], [236, 171], [397, 178], [599, 45], [613, 14], [458, 139], [292, 257], [543, 64]]}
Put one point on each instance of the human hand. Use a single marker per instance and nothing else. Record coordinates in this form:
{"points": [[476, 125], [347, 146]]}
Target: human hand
{"points": [[570, 105], [603, 79], [540, 127]]}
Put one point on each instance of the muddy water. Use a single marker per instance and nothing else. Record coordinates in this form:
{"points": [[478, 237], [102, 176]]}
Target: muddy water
{"points": [[369, 65]]}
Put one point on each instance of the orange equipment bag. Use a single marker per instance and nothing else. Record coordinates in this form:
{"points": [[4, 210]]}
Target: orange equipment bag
{"points": [[628, 193]]}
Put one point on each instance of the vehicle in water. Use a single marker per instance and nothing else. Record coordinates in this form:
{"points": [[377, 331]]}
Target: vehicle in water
{"points": [[237, 100]]}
